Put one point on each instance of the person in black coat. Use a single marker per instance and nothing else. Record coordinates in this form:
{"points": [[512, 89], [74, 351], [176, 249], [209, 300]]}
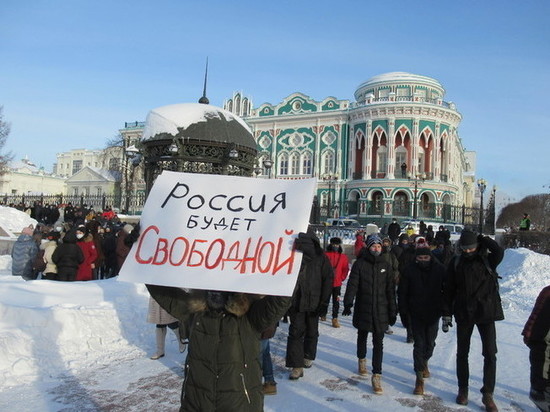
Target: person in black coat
{"points": [[420, 295], [67, 257], [394, 230], [371, 285], [309, 300], [471, 295]]}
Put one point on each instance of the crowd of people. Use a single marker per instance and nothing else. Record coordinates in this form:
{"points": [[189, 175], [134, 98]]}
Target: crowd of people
{"points": [[422, 278], [71, 244]]}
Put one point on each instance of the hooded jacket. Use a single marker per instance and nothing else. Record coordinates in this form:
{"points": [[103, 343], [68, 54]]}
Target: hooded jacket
{"points": [[314, 284], [67, 256], [371, 285], [23, 253], [89, 252], [222, 369]]}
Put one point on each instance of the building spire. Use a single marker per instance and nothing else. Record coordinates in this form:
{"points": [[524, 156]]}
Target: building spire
{"points": [[204, 99]]}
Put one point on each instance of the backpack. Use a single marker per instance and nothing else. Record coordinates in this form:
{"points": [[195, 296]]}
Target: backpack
{"points": [[39, 264]]}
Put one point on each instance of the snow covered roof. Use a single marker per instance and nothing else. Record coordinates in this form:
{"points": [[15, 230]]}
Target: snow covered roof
{"points": [[197, 121]]}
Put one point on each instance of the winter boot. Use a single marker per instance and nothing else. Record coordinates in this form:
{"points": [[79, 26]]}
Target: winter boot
{"points": [[489, 403], [462, 397], [182, 344], [160, 338], [377, 384], [419, 384], [335, 323], [270, 388], [363, 367], [308, 363], [296, 374], [426, 372]]}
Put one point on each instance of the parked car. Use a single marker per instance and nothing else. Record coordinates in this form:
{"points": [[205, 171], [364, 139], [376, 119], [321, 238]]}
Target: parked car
{"points": [[343, 222]]}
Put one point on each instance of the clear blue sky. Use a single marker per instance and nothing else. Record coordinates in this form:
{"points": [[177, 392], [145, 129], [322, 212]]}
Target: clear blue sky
{"points": [[72, 72]]}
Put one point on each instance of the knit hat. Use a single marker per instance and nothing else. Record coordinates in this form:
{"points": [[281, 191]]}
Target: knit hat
{"points": [[420, 242], [335, 241], [372, 240], [403, 237], [468, 240]]}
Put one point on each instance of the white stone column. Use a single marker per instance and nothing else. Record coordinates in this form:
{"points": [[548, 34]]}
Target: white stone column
{"points": [[390, 167], [367, 154]]}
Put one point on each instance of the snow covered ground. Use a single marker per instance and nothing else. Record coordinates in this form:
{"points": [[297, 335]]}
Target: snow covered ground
{"points": [[84, 346]]}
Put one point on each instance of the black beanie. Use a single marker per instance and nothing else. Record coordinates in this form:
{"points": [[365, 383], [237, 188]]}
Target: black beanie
{"points": [[468, 240], [422, 251]]}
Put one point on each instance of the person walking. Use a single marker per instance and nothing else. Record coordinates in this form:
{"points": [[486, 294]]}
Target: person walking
{"points": [[471, 294], [371, 292], [420, 295], [67, 257], [309, 298], [340, 264], [536, 335]]}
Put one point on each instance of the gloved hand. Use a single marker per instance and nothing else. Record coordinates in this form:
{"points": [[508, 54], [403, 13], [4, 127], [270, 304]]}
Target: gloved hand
{"points": [[347, 311], [446, 323], [322, 309], [393, 319]]}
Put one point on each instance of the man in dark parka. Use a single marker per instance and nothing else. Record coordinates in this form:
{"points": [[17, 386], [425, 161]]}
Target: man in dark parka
{"points": [[471, 295]]}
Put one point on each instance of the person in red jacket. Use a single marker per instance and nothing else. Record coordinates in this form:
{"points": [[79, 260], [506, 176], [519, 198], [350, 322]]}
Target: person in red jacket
{"points": [[86, 243], [359, 242], [340, 264], [536, 335]]}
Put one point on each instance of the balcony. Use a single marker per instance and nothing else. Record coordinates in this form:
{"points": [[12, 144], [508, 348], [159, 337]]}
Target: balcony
{"points": [[401, 99]]}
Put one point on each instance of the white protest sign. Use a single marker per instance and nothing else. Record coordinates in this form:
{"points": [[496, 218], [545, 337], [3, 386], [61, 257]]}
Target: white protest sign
{"points": [[221, 233]]}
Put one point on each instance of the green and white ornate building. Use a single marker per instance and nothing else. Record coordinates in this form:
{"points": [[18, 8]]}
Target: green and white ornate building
{"points": [[393, 152]]}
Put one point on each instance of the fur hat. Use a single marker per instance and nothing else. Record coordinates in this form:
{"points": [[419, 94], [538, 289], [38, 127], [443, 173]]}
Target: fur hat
{"points": [[372, 240], [335, 241], [468, 240]]}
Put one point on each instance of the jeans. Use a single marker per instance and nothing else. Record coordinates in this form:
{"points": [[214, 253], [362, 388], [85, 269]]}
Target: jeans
{"points": [[424, 335], [377, 348], [265, 361], [487, 332]]}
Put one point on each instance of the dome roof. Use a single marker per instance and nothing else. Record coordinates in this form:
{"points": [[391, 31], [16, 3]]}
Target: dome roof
{"points": [[197, 121], [398, 78]]}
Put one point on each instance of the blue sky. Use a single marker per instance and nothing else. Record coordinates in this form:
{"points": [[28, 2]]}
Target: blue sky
{"points": [[72, 72]]}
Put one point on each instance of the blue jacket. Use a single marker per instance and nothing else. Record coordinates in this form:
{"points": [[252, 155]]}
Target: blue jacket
{"points": [[23, 253]]}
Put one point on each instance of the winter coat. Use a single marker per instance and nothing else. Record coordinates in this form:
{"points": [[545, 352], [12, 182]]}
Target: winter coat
{"points": [[340, 265], [23, 253], [51, 267], [314, 284], [222, 371], [471, 291], [420, 292], [394, 262], [122, 247], [537, 327], [108, 245], [394, 230], [359, 244], [371, 284], [157, 315], [89, 252], [67, 257]]}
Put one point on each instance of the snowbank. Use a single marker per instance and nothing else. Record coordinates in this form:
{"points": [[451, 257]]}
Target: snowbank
{"points": [[15, 220]]}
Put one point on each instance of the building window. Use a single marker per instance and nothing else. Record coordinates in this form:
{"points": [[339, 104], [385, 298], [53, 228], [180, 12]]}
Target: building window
{"points": [[328, 162], [400, 159], [307, 166], [283, 164], [77, 165], [382, 160], [295, 164], [421, 159]]}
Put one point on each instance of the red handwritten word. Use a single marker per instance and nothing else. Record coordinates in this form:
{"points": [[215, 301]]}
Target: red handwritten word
{"points": [[248, 256]]}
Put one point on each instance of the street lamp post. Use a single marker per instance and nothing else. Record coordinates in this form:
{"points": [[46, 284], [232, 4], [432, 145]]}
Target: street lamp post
{"points": [[268, 164], [331, 178], [416, 179], [132, 154], [481, 185]]}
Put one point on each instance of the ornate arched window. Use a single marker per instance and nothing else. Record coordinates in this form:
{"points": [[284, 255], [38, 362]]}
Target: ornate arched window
{"points": [[307, 166], [328, 162], [400, 160], [283, 164], [294, 164]]}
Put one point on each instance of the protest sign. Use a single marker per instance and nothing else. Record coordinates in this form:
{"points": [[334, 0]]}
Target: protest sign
{"points": [[221, 233]]}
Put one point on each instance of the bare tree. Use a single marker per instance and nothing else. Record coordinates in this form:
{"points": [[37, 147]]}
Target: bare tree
{"points": [[5, 128], [537, 206]]}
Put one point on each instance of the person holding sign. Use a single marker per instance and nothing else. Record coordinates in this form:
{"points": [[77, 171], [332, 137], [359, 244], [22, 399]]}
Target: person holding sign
{"points": [[309, 301]]}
